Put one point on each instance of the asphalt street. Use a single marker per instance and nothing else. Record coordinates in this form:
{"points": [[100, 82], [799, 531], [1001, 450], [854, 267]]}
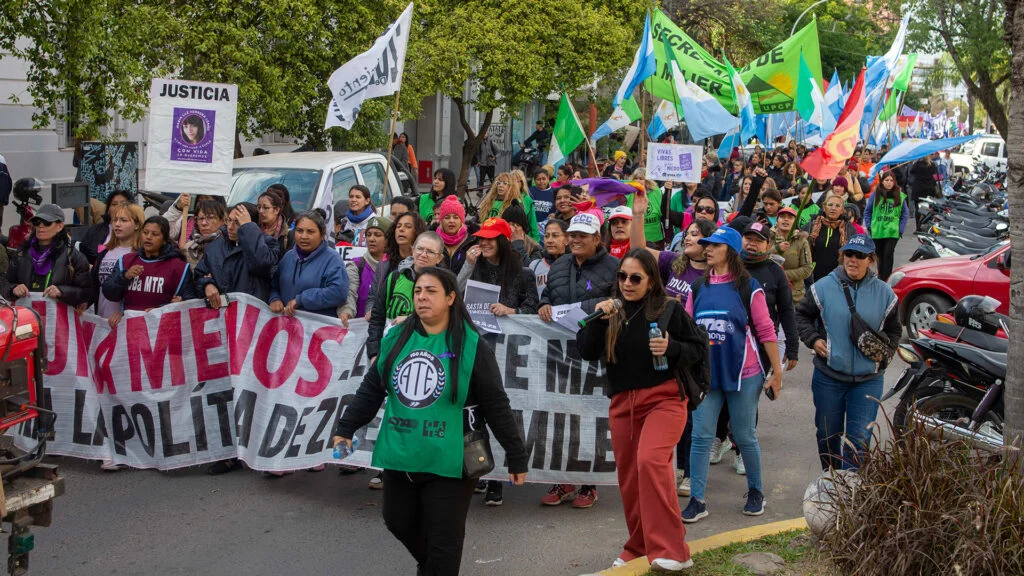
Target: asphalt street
{"points": [[186, 522]]}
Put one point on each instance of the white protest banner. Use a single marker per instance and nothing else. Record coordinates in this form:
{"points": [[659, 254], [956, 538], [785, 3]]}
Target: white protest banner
{"points": [[376, 72], [191, 136], [186, 385], [675, 162], [478, 297]]}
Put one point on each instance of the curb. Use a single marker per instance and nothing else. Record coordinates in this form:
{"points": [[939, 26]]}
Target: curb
{"points": [[640, 566]]}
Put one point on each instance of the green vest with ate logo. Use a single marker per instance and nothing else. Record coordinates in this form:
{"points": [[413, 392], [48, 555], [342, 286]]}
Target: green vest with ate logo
{"points": [[422, 426]]}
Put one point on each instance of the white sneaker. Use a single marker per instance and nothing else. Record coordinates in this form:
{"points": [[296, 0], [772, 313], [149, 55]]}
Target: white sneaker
{"points": [[619, 562], [719, 449], [683, 487], [109, 466], [666, 565], [737, 465]]}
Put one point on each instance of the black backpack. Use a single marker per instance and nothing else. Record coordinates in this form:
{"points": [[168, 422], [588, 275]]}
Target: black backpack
{"points": [[693, 378]]}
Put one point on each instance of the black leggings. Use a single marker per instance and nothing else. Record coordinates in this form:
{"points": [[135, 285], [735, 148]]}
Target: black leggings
{"points": [[427, 513], [885, 248]]}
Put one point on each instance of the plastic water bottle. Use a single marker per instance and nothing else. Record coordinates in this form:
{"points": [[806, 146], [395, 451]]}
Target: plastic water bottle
{"points": [[660, 362], [342, 450]]}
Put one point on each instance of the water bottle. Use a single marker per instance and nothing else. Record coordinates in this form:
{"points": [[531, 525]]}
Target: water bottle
{"points": [[342, 450], [660, 362]]}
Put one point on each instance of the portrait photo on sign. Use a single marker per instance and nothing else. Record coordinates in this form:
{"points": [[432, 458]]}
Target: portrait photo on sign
{"points": [[192, 137]]}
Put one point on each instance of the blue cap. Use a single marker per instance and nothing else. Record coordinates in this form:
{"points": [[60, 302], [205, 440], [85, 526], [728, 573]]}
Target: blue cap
{"points": [[725, 235], [859, 243]]}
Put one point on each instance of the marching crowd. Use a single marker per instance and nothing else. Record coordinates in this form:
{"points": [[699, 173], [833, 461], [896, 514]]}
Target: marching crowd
{"points": [[733, 280]]}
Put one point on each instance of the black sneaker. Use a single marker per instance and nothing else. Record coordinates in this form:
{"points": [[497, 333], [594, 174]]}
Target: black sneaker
{"points": [[493, 497], [224, 466], [481, 487], [695, 510], [755, 503]]}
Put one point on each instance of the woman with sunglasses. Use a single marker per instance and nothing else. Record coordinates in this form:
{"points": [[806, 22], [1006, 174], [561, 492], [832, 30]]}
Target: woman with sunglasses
{"points": [[704, 208], [48, 263], [648, 408], [846, 383]]}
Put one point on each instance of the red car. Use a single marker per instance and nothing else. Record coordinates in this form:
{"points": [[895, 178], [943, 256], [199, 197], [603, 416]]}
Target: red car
{"points": [[929, 287]]}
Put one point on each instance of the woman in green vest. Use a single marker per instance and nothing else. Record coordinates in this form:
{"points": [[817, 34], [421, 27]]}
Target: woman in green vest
{"points": [[442, 187], [885, 218], [440, 383]]}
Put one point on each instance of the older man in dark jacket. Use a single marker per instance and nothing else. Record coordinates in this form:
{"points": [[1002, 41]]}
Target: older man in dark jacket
{"points": [[242, 259]]}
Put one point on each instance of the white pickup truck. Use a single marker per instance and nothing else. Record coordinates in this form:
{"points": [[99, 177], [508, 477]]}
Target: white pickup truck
{"points": [[989, 150]]}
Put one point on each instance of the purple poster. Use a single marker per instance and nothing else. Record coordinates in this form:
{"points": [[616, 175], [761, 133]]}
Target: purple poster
{"points": [[192, 137]]}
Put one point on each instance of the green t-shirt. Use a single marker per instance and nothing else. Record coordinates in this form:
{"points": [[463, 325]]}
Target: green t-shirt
{"points": [[885, 217], [427, 207], [653, 231]]}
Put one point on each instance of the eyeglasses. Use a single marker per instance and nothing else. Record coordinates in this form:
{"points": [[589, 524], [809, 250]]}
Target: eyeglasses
{"points": [[855, 254], [501, 183], [428, 251], [629, 278], [40, 223], [705, 209]]}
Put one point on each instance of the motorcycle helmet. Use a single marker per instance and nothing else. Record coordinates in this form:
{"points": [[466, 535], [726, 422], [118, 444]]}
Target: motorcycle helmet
{"points": [[978, 313], [984, 191], [29, 190]]}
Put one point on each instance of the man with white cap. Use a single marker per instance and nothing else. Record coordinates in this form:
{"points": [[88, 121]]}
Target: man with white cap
{"points": [[585, 276]]}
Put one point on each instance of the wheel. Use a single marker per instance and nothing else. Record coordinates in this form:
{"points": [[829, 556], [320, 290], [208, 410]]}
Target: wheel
{"points": [[923, 310], [902, 411], [951, 407]]}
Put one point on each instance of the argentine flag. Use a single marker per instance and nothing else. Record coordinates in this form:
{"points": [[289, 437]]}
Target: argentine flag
{"points": [[643, 66], [665, 119], [834, 95], [914, 148], [743, 102], [703, 114]]}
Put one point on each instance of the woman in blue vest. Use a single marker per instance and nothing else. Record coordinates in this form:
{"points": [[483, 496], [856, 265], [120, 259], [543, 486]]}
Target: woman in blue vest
{"points": [[845, 382], [434, 371], [732, 307]]}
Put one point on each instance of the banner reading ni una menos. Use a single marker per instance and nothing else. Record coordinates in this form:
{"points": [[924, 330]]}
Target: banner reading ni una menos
{"points": [[186, 385], [771, 78]]}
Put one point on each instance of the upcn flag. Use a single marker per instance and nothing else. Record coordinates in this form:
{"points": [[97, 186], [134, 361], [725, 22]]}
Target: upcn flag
{"points": [[191, 137], [376, 72], [825, 162]]}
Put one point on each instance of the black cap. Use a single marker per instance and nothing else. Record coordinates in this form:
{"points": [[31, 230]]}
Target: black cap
{"points": [[49, 213]]}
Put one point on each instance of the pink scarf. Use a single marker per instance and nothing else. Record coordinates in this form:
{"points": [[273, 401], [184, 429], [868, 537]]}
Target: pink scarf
{"points": [[453, 239]]}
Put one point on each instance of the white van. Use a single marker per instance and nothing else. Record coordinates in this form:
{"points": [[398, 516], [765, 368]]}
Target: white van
{"points": [[989, 150], [314, 179]]}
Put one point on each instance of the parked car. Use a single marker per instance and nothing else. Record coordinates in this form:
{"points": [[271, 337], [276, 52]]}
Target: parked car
{"points": [[313, 179], [931, 287], [989, 150]]}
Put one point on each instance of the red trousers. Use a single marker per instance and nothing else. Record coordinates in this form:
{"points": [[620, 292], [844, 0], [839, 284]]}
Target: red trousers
{"points": [[646, 425]]}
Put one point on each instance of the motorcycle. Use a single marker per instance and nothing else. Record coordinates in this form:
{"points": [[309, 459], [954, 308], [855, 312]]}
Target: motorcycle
{"points": [[527, 160], [973, 321]]}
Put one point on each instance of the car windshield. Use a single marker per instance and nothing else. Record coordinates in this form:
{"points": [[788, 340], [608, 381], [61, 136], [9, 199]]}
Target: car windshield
{"points": [[248, 183]]}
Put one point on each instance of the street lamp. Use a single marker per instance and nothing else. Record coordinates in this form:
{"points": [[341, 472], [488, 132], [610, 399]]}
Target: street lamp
{"points": [[804, 13]]}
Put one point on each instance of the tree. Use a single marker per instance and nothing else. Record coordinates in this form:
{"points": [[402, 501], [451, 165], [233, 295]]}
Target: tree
{"points": [[1014, 394], [972, 33], [489, 57]]}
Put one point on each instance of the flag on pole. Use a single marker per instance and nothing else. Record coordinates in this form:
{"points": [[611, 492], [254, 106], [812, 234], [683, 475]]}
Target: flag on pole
{"points": [[376, 72], [915, 129], [666, 117], [834, 95], [878, 72], [805, 94], [624, 115], [567, 134], [902, 81], [839, 146], [744, 104], [914, 148], [730, 141], [703, 114], [642, 67]]}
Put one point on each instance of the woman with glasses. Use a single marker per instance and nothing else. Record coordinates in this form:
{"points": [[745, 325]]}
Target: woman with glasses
{"points": [[505, 192], [210, 216], [826, 233], [704, 209], [273, 219], [846, 383], [648, 410], [48, 263], [175, 215]]}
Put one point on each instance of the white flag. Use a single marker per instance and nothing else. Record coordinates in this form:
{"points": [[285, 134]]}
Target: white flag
{"points": [[376, 72]]}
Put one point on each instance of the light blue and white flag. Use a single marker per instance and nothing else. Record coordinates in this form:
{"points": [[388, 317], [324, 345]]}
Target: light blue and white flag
{"points": [[914, 148], [834, 95], [730, 141], [643, 66], [876, 77], [665, 118], [704, 116], [623, 115]]}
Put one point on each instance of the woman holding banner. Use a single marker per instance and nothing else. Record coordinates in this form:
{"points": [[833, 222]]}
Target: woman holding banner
{"points": [[125, 222], [312, 275], [447, 377], [648, 413], [48, 263]]}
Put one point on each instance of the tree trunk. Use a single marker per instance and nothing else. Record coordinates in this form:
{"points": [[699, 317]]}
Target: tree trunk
{"points": [[989, 97], [238, 145], [472, 143], [970, 112], [1014, 393]]}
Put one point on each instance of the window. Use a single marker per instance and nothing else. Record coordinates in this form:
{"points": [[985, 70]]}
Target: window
{"points": [[248, 183], [373, 176], [990, 149], [341, 182]]}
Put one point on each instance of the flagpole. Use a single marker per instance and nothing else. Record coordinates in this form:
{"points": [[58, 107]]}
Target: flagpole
{"points": [[391, 143], [643, 123]]}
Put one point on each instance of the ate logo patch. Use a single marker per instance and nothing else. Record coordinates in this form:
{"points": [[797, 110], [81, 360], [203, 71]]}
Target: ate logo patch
{"points": [[419, 379]]}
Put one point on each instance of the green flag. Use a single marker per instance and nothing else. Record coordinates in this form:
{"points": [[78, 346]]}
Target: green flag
{"points": [[567, 135], [771, 79], [631, 109], [902, 80], [890, 105], [805, 92]]}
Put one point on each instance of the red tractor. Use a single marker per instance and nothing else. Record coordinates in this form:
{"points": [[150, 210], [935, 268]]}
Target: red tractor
{"points": [[29, 486]]}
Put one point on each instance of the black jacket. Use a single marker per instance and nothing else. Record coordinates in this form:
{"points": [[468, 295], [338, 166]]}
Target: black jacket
{"points": [[94, 236], [70, 273], [486, 403], [779, 297], [923, 182], [243, 266], [590, 283], [522, 296], [379, 312]]}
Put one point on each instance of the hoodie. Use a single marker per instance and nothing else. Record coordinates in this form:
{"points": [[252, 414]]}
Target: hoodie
{"points": [[162, 279], [318, 283]]}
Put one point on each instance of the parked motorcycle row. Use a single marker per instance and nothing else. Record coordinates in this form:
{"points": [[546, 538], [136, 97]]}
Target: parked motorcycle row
{"points": [[963, 221]]}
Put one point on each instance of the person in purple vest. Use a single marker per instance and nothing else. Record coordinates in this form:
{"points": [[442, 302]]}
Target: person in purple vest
{"points": [[154, 276], [362, 271], [311, 276], [241, 259]]}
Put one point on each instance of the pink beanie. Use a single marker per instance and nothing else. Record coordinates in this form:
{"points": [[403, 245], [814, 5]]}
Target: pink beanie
{"points": [[450, 205]]}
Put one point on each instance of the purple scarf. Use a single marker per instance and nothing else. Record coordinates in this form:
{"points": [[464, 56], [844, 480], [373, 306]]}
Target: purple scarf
{"points": [[41, 261]]}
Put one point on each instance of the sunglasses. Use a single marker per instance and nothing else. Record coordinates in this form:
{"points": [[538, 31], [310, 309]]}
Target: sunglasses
{"points": [[40, 223], [705, 209], [855, 254], [629, 278]]}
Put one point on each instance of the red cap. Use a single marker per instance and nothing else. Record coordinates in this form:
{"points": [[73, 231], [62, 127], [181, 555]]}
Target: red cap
{"points": [[494, 227]]}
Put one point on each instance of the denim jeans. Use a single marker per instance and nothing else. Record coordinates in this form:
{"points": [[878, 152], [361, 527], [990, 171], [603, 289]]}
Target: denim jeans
{"points": [[841, 408], [683, 448], [743, 419]]}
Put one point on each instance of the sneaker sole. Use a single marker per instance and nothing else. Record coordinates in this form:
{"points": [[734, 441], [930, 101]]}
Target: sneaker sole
{"points": [[682, 491], [685, 565], [567, 498], [584, 506], [494, 502], [745, 513], [699, 516]]}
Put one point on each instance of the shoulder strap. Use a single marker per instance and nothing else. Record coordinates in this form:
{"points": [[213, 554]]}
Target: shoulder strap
{"points": [[694, 288], [849, 299]]}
